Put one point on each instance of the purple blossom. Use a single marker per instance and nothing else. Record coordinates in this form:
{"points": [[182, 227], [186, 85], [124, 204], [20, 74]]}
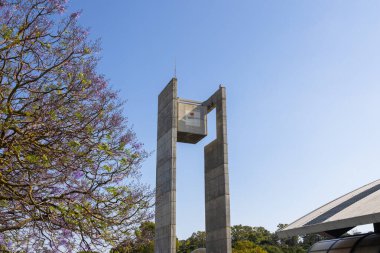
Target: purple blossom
{"points": [[137, 145], [58, 5], [62, 242], [75, 15], [128, 137], [116, 120], [118, 179], [56, 190], [7, 14], [67, 233], [78, 174]]}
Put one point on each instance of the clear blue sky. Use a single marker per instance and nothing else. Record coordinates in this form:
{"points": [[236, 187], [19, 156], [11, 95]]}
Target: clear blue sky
{"points": [[303, 87]]}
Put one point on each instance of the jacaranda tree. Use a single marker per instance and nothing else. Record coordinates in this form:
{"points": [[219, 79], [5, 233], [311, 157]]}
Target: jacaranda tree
{"points": [[69, 165]]}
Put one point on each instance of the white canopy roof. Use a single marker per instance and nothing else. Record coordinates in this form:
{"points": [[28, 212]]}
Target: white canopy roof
{"points": [[359, 207]]}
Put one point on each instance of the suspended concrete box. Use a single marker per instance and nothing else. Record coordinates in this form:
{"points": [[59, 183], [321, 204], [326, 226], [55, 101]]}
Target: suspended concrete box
{"points": [[192, 121]]}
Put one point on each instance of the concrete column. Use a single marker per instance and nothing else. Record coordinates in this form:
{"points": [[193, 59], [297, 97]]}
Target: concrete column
{"points": [[217, 194], [165, 241]]}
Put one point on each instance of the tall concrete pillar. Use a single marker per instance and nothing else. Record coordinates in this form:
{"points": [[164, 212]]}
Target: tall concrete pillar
{"points": [[185, 121], [217, 194], [165, 241]]}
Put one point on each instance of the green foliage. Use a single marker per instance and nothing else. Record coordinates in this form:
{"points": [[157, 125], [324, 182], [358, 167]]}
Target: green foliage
{"points": [[142, 243], [272, 249], [195, 241], [247, 247], [3, 250], [257, 235], [309, 240], [245, 239]]}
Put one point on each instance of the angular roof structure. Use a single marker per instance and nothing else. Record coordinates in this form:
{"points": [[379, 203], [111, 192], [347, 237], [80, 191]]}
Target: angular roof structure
{"points": [[359, 207]]}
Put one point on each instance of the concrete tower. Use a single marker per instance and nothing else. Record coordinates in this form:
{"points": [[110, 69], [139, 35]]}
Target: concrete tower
{"points": [[185, 121]]}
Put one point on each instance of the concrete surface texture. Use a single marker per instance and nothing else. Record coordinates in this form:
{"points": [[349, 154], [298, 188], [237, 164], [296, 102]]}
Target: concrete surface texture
{"points": [[187, 120], [359, 207], [217, 194], [165, 213]]}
